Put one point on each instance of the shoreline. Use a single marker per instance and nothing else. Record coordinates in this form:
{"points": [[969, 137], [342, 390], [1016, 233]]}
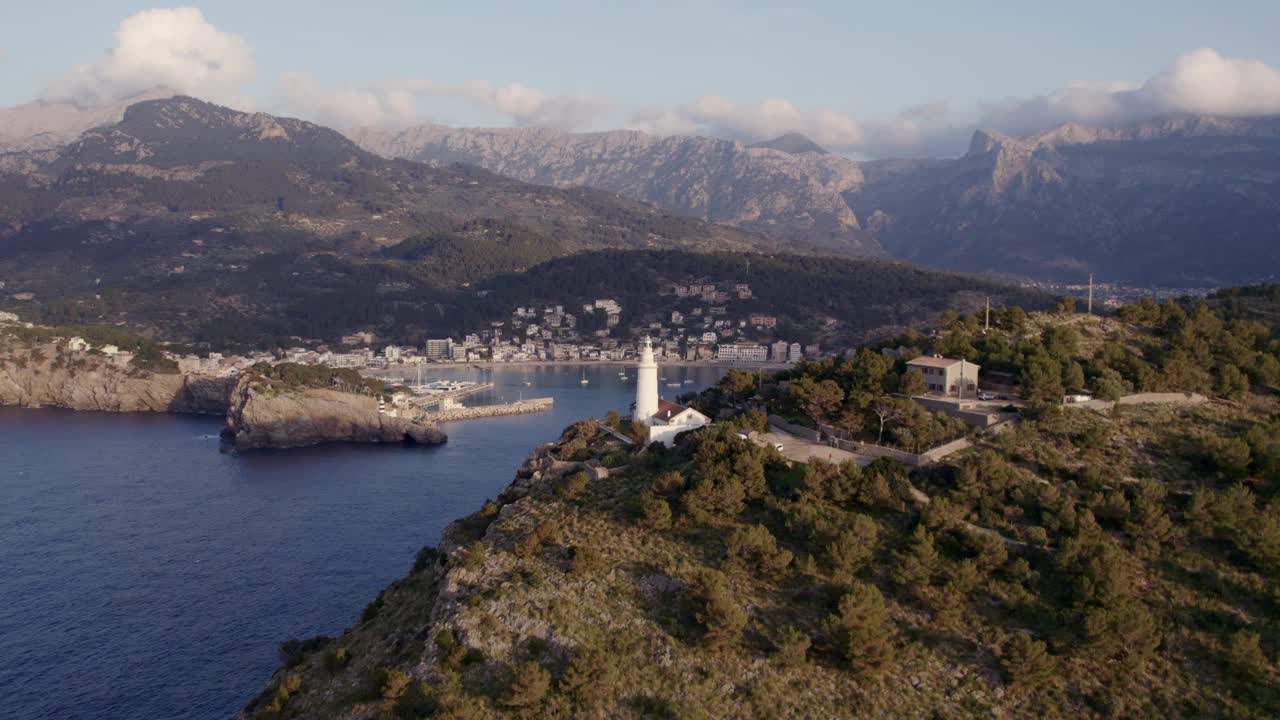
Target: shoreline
{"points": [[771, 366]]}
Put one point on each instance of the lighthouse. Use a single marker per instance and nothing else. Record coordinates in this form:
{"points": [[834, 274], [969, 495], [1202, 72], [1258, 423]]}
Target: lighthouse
{"points": [[646, 384]]}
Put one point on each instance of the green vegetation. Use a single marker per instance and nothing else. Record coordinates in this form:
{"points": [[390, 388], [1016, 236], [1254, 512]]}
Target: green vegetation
{"points": [[1079, 564], [295, 375]]}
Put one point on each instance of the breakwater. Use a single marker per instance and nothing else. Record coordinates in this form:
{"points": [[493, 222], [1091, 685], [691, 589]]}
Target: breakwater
{"points": [[522, 407]]}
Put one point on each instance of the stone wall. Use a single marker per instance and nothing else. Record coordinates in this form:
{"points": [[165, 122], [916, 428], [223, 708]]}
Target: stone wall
{"points": [[798, 430], [483, 411]]}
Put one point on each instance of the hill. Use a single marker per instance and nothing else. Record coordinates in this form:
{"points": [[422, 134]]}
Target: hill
{"points": [[1078, 564]]}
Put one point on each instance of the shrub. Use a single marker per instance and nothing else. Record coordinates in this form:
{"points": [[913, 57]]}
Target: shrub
{"points": [[655, 513], [336, 659], [669, 484], [573, 485], [585, 560], [1026, 661], [1245, 657], [529, 685], [791, 647], [475, 557], [590, 679], [531, 544], [854, 547], [862, 631], [721, 618], [392, 683], [755, 548]]}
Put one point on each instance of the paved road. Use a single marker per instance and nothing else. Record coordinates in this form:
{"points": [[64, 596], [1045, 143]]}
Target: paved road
{"points": [[801, 450]]}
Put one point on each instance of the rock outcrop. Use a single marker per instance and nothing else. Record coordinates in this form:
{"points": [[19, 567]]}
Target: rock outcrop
{"points": [[266, 416], [47, 376]]}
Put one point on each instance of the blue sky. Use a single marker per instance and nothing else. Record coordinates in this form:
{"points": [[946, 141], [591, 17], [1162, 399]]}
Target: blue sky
{"points": [[649, 64]]}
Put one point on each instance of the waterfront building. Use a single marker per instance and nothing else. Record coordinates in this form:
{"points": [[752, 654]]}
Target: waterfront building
{"points": [[440, 349], [742, 352]]}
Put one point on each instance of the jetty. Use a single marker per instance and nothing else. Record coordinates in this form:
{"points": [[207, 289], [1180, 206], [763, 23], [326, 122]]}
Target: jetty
{"points": [[461, 412]]}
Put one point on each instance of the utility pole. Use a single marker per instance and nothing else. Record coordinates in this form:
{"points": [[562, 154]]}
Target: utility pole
{"points": [[987, 328], [1090, 293]]}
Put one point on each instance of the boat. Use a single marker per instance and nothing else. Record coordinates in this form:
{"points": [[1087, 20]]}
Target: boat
{"points": [[673, 384], [688, 381], [584, 380]]}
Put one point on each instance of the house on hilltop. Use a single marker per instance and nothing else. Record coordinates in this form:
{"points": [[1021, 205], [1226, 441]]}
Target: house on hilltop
{"points": [[947, 376]]}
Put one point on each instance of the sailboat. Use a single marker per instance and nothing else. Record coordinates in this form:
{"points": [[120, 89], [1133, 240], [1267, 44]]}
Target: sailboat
{"points": [[584, 380]]}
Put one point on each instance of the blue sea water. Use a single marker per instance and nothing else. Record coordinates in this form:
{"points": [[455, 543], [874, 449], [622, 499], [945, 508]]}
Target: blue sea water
{"points": [[144, 574]]}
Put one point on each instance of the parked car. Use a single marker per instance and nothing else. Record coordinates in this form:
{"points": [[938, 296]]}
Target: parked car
{"points": [[984, 395], [1079, 398], [777, 446]]}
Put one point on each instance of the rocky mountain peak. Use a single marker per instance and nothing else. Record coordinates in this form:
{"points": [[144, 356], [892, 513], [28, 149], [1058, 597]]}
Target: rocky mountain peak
{"points": [[794, 143]]}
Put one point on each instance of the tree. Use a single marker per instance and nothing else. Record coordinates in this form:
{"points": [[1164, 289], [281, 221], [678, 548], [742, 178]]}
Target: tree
{"points": [[818, 400], [861, 628], [854, 547], [613, 420], [1109, 386], [720, 617], [888, 409], [917, 563], [755, 548], [737, 383], [1065, 305], [1231, 383], [913, 383], [1026, 661]]}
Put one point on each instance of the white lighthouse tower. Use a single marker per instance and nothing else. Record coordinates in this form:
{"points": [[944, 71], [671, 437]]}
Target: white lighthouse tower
{"points": [[646, 384]]}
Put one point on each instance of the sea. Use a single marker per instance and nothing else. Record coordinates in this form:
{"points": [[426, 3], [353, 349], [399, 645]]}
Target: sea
{"points": [[146, 574]]}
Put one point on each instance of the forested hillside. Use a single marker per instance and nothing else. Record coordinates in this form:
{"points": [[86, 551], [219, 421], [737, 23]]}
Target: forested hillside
{"points": [[1082, 563]]}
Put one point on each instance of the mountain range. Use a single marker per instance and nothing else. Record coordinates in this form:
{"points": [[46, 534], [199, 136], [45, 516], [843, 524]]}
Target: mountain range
{"points": [[801, 196], [1185, 200], [207, 223]]}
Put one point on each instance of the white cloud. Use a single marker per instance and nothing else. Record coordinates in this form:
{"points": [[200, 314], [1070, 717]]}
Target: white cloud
{"points": [[178, 48], [166, 47], [912, 130], [1201, 81], [395, 102]]}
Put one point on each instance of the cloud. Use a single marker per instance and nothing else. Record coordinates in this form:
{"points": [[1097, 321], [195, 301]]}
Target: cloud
{"points": [[167, 47], [913, 130], [395, 102], [1200, 81]]}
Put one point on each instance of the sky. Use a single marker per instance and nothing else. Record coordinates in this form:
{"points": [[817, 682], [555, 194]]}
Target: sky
{"points": [[863, 78]]}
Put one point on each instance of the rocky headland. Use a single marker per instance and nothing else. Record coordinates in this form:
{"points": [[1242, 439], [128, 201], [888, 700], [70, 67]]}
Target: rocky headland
{"points": [[48, 375], [260, 414], [263, 415]]}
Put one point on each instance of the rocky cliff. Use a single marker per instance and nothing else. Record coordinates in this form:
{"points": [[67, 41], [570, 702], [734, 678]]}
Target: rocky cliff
{"points": [[265, 416], [50, 376]]}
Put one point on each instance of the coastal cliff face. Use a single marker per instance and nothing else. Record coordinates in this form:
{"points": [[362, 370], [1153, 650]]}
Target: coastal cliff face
{"points": [[261, 415], [46, 375]]}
